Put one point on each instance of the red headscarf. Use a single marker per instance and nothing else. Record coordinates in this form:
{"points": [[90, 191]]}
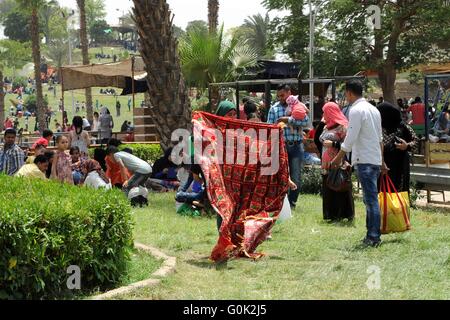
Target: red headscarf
{"points": [[333, 115]]}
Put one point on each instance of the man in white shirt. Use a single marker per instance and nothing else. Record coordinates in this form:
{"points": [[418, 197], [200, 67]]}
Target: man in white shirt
{"points": [[141, 170], [365, 140]]}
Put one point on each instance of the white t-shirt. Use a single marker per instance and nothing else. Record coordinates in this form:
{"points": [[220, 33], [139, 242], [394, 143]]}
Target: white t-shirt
{"points": [[133, 163], [94, 180], [364, 134], [86, 123]]}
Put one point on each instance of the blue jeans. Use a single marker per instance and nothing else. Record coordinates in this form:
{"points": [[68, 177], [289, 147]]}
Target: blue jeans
{"points": [[368, 176], [189, 197], [295, 156]]}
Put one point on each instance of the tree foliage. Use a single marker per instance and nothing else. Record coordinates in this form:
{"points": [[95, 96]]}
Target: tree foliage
{"points": [[255, 31], [411, 33], [95, 11], [99, 32], [212, 58]]}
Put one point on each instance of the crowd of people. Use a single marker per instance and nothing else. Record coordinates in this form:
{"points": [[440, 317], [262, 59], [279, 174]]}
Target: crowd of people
{"points": [[373, 139]]}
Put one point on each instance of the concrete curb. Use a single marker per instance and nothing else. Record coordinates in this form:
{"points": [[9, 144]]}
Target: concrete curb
{"points": [[167, 268]]}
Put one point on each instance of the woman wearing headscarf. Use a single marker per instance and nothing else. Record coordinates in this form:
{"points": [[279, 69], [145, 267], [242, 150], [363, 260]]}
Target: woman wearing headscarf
{"points": [[106, 125], [227, 109], [398, 139], [95, 177], [336, 205]]}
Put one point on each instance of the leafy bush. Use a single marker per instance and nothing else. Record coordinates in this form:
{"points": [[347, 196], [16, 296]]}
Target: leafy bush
{"points": [[311, 180], [31, 103], [19, 82], [45, 227], [147, 152]]}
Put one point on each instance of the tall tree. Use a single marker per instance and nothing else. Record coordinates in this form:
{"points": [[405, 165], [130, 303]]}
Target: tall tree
{"points": [[2, 99], [46, 15], [212, 58], [409, 29], [213, 15], [255, 31], [17, 26], [170, 105], [198, 26], [95, 10], [33, 7], [85, 53]]}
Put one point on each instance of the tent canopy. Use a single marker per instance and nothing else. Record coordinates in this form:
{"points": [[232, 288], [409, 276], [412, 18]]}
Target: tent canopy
{"points": [[102, 75]]}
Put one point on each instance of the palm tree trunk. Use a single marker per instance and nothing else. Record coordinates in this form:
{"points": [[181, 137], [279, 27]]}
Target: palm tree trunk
{"points": [[168, 94], [36, 49], [85, 53], [213, 15], [2, 101]]}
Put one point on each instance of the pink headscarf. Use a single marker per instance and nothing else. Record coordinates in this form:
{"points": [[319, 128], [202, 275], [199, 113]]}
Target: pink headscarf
{"points": [[333, 115]]}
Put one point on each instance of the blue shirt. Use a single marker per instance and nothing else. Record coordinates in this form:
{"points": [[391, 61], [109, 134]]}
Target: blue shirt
{"points": [[277, 111]]}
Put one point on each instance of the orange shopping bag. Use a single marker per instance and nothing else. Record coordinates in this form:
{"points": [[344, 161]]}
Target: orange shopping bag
{"points": [[395, 211]]}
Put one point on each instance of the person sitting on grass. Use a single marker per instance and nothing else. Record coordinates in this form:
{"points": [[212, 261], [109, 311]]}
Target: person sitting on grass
{"points": [[35, 170], [164, 175], [77, 162], [95, 177], [11, 155], [38, 150], [47, 136], [140, 169], [197, 183]]}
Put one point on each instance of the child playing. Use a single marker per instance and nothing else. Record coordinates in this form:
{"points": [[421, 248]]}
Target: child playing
{"points": [[77, 163], [62, 165]]}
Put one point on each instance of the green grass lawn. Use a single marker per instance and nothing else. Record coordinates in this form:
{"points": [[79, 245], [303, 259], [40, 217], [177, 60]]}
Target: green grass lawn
{"points": [[79, 95], [141, 266], [307, 258]]}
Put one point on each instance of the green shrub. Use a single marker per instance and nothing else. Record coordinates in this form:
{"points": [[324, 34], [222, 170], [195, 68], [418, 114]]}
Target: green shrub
{"points": [[147, 152], [31, 103], [45, 227], [311, 180]]}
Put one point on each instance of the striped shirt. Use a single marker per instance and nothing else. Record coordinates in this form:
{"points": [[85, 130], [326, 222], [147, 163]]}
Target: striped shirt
{"points": [[277, 111], [11, 160]]}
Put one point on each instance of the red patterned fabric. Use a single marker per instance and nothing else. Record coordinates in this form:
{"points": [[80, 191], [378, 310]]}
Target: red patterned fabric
{"points": [[248, 201]]}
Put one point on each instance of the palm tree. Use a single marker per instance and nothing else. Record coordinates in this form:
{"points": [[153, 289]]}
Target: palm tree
{"points": [[34, 6], [211, 58], [2, 100], [158, 46], [85, 53], [256, 31], [213, 15]]}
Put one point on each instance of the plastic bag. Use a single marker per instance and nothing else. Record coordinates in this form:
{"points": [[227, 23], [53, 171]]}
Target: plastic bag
{"points": [[394, 207], [286, 212]]}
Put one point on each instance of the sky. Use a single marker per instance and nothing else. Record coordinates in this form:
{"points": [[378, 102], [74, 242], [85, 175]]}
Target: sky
{"points": [[232, 12]]}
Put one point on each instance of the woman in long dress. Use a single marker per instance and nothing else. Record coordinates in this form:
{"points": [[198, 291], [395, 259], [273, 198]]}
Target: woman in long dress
{"points": [[336, 205], [398, 139]]}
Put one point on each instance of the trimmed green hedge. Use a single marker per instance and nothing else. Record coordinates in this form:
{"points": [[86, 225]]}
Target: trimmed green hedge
{"points": [[311, 180], [45, 227], [147, 152]]}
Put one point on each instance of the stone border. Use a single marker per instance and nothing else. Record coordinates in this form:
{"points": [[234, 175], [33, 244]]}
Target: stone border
{"points": [[167, 268]]}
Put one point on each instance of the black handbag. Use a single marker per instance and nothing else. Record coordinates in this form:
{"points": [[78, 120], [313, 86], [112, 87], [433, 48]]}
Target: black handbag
{"points": [[340, 179]]}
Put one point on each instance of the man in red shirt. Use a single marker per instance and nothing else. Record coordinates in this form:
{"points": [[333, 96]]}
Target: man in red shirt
{"points": [[47, 135], [417, 110]]}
